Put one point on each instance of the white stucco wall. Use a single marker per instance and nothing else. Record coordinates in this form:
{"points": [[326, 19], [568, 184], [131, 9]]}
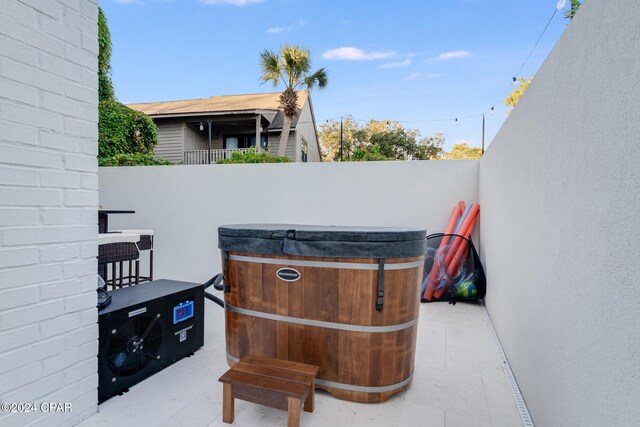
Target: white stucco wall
{"points": [[560, 196], [184, 205], [48, 209]]}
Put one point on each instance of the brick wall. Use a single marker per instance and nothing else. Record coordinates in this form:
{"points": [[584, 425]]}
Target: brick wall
{"points": [[48, 203]]}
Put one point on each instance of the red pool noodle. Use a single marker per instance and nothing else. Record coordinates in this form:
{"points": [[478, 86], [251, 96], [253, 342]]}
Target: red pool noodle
{"points": [[455, 215], [460, 252]]}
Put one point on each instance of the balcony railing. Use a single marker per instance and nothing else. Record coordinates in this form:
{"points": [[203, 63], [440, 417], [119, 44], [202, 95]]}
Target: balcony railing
{"points": [[201, 157]]}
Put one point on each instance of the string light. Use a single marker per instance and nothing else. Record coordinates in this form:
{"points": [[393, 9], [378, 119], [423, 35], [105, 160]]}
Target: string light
{"points": [[513, 83], [544, 30]]}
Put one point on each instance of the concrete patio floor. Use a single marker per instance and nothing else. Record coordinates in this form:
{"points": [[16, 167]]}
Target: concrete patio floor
{"points": [[458, 381]]}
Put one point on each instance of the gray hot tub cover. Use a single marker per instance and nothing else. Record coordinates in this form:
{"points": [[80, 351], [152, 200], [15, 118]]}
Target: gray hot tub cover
{"points": [[322, 241]]}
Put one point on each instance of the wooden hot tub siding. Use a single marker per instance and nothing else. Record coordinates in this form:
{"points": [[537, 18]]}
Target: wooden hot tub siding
{"points": [[368, 364]]}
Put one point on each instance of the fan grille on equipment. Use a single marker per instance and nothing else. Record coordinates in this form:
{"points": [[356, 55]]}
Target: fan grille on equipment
{"points": [[135, 345]]}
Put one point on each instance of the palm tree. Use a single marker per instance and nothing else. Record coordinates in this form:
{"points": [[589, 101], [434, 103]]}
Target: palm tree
{"points": [[291, 67]]}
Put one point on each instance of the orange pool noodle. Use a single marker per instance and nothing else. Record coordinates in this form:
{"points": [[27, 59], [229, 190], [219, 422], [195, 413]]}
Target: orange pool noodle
{"points": [[463, 231], [455, 216]]}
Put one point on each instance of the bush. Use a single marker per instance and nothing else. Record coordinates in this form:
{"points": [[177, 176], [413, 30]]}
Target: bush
{"points": [[251, 156], [136, 159], [125, 137], [371, 155], [124, 130], [105, 85]]}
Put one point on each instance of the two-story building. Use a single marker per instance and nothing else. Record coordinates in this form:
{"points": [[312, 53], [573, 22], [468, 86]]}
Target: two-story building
{"points": [[203, 131]]}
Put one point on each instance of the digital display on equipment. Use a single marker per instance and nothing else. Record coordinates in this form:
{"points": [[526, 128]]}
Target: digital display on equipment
{"points": [[182, 311]]}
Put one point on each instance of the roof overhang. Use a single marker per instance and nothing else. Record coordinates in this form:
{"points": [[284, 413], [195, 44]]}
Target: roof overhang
{"points": [[267, 114]]}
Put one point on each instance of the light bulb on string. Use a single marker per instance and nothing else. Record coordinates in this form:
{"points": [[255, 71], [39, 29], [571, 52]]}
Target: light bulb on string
{"points": [[492, 110], [456, 121], [201, 126]]}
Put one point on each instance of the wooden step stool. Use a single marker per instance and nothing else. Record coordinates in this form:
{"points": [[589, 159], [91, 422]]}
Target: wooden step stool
{"points": [[271, 382]]}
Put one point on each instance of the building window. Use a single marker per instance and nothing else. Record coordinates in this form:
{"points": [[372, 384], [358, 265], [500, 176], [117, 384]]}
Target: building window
{"points": [[231, 142], [264, 141], [244, 141], [304, 148]]}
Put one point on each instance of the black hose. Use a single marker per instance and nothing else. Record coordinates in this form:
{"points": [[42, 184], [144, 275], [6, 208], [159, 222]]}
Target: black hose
{"points": [[216, 281], [214, 298], [211, 281]]}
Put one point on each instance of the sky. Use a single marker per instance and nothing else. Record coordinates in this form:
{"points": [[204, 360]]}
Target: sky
{"points": [[421, 62]]}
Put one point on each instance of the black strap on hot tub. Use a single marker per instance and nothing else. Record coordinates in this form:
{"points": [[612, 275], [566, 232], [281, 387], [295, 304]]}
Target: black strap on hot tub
{"points": [[380, 284], [225, 268]]}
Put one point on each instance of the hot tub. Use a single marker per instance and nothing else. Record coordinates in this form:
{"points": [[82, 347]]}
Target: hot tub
{"points": [[343, 298]]}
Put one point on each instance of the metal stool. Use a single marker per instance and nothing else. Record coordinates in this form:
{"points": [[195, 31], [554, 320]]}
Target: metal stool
{"points": [[144, 244], [115, 249]]}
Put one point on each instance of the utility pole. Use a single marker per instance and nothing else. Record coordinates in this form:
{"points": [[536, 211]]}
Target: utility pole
{"points": [[482, 133], [341, 142], [209, 122]]}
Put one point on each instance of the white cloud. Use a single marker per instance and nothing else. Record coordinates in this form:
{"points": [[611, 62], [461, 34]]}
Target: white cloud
{"points": [[355, 54], [452, 55], [233, 2], [288, 28], [423, 76], [397, 64]]}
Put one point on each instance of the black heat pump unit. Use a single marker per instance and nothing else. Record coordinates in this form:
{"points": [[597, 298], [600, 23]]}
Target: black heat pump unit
{"points": [[146, 328]]}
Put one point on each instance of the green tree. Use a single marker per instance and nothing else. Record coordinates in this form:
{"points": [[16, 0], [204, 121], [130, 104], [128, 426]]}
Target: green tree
{"points": [[463, 152], [292, 68], [514, 96], [377, 140], [575, 5], [431, 148], [121, 130], [329, 138], [392, 139]]}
